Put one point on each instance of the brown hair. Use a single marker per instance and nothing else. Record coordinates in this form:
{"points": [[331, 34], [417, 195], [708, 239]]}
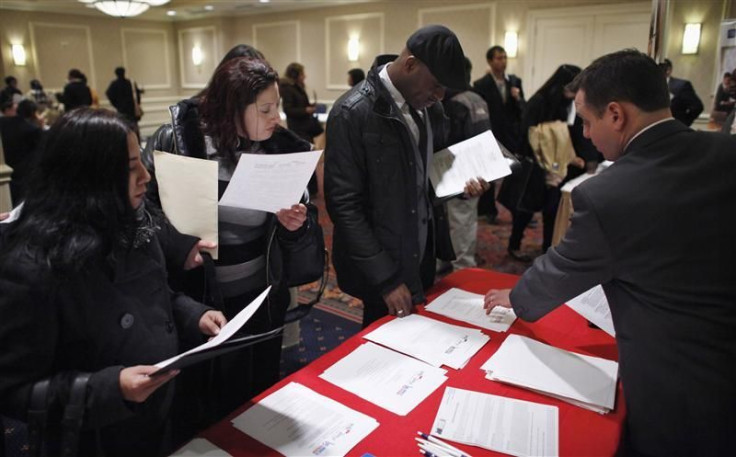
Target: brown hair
{"points": [[233, 87]]}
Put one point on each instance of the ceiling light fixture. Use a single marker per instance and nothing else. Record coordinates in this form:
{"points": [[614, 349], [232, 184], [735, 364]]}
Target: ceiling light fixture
{"points": [[124, 8]]}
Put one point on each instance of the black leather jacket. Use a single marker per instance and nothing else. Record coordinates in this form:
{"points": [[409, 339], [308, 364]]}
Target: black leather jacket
{"points": [[370, 190], [184, 136]]}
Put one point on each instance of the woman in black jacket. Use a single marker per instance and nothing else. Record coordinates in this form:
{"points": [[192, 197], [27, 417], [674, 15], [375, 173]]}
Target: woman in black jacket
{"points": [[238, 114], [84, 292]]}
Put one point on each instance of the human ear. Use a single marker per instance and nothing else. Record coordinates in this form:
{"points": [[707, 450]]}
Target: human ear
{"points": [[617, 115]]}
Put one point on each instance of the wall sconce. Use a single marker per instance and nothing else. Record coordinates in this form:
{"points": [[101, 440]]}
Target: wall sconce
{"points": [[691, 38], [511, 43], [353, 49], [197, 56], [19, 55]]}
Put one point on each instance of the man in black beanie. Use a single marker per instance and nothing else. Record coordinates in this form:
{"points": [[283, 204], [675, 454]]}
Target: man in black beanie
{"points": [[389, 229]]}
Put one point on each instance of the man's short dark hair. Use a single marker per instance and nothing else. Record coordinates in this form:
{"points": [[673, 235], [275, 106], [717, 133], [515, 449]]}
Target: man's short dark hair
{"points": [[74, 73], [493, 50], [623, 76], [9, 80], [120, 72]]}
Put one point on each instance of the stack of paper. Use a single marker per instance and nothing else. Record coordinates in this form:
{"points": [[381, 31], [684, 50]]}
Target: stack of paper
{"points": [[200, 447], [500, 424], [468, 307], [593, 306], [432, 341], [295, 420], [386, 378], [588, 382]]}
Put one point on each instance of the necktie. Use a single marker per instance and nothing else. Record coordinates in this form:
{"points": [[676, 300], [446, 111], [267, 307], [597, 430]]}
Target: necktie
{"points": [[422, 134]]}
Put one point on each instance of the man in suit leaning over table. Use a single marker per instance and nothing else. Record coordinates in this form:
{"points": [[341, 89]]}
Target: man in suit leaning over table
{"points": [[655, 229]]}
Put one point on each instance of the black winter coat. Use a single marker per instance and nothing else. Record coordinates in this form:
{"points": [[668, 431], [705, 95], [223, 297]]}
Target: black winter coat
{"points": [[106, 317], [371, 191]]}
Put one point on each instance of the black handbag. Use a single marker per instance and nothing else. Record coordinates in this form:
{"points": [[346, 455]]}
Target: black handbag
{"points": [[306, 263]]}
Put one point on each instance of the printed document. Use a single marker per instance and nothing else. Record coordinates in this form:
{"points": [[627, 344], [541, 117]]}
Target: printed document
{"points": [[386, 378], [200, 447], [296, 420], [187, 188], [468, 307], [588, 381], [593, 306], [225, 332], [500, 424], [430, 340], [270, 182], [475, 157]]}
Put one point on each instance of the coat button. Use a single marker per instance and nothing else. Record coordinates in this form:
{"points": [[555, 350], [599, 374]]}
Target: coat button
{"points": [[127, 320], [413, 211], [169, 326]]}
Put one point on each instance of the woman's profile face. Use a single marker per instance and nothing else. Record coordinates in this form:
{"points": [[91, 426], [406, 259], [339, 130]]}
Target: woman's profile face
{"points": [[260, 118], [138, 176]]}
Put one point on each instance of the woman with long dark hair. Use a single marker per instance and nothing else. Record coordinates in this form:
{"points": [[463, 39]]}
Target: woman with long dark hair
{"points": [[551, 102], [84, 291], [236, 114]]}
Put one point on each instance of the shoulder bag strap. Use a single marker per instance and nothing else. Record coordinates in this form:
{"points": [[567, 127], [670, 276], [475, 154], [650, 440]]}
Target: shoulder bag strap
{"points": [[37, 418], [71, 423]]}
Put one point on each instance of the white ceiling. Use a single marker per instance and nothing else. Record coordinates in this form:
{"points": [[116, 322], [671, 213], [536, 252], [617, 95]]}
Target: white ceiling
{"points": [[185, 9]]}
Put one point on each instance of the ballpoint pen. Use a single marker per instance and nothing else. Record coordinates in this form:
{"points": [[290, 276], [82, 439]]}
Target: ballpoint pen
{"points": [[435, 448], [441, 443], [427, 453]]}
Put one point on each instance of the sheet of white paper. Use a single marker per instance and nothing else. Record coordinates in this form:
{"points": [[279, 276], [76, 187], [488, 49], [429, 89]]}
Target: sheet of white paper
{"points": [[475, 157], [528, 363], [468, 307], [429, 340], [225, 332], [295, 420], [593, 306], [386, 378], [500, 424], [270, 182], [200, 447], [187, 188], [13, 215]]}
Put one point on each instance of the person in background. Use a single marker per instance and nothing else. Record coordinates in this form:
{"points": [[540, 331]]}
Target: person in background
{"points": [[383, 132], [468, 114], [355, 76], [300, 113], [505, 98], [76, 92], [663, 257], [10, 91], [21, 136], [38, 95], [8, 108], [238, 113], [725, 99], [552, 102], [684, 102], [122, 95], [85, 293]]}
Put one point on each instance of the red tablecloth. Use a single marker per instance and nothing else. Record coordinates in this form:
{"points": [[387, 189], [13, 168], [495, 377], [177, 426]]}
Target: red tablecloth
{"points": [[582, 432]]}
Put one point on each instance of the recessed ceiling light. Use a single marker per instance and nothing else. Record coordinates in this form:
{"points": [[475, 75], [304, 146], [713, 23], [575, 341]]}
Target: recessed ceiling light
{"points": [[264, 1], [171, 13], [209, 7]]}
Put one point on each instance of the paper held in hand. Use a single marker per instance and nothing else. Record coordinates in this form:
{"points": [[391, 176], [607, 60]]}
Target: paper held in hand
{"points": [[475, 157], [225, 332], [187, 188], [270, 182]]}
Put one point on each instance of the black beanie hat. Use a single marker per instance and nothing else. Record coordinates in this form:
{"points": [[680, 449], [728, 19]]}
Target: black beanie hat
{"points": [[439, 49]]}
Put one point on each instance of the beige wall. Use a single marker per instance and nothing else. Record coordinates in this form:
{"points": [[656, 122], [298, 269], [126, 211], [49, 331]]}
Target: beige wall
{"points": [[302, 36]]}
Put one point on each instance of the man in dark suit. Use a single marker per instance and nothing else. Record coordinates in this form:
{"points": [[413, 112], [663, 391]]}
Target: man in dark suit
{"points": [[505, 99], [684, 102], [655, 229]]}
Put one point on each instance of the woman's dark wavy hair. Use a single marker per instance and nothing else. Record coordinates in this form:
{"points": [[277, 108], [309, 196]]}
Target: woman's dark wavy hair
{"points": [[234, 86], [77, 207]]}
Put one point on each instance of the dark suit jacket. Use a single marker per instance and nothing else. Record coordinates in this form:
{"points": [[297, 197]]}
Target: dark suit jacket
{"points": [[505, 117], [656, 230], [685, 104]]}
